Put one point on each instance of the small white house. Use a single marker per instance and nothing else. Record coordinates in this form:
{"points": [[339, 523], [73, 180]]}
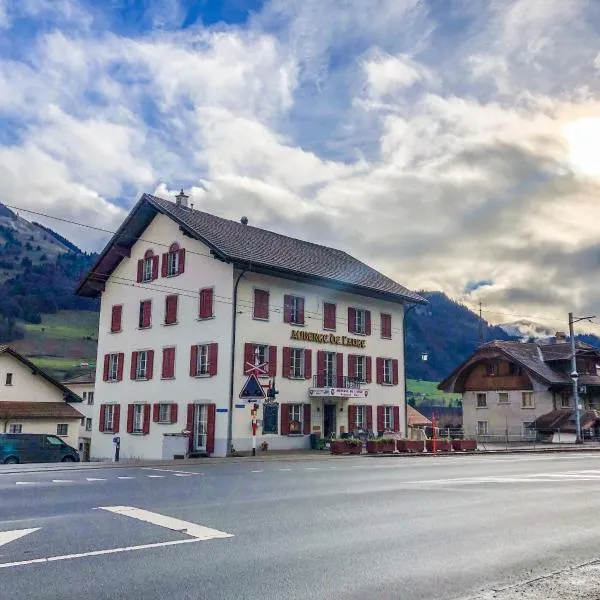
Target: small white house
{"points": [[83, 385], [32, 401]]}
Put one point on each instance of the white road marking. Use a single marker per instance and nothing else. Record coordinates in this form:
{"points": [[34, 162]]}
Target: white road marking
{"points": [[259, 471], [285, 469], [155, 476], [15, 534], [170, 471], [63, 481], [183, 474], [126, 477], [94, 479], [27, 482], [196, 531], [312, 468]]}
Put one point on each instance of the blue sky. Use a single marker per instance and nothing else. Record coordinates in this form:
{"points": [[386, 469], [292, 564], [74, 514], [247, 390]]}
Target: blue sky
{"points": [[444, 142]]}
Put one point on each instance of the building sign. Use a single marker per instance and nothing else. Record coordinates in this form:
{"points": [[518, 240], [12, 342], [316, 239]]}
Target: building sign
{"points": [[328, 338], [338, 392]]}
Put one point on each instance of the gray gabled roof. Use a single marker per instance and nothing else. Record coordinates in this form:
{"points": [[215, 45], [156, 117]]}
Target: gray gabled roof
{"points": [[255, 248]]}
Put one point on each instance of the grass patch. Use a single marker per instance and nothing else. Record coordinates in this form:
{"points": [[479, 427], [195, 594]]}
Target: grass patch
{"points": [[56, 366], [428, 390], [65, 324]]}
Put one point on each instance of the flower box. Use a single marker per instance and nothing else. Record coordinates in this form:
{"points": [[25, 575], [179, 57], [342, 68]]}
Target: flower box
{"points": [[440, 445], [464, 445], [373, 447], [387, 445], [410, 446], [338, 447]]}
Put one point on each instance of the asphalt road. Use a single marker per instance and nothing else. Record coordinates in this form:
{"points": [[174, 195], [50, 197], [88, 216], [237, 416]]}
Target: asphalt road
{"points": [[421, 528]]}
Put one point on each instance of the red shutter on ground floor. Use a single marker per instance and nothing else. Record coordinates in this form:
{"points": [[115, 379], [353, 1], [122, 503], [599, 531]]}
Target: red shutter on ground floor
{"points": [[194, 360], [248, 358], [287, 308], [284, 427], [320, 368], [171, 309], [155, 260], [106, 367], [173, 413], [272, 361], [115, 318], [307, 425], [156, 412], [210, 428], [213, 357], [351, 320], [286, 366], [351, 418], [367, 322], [102, 417], [164, 264], [340, 370], [369, 411], [396, 419], [368, 376], [181, 261], [395, 371], [133, 367], [380, 418], [150, 364], [168, 363], [351, 365], [191, 411], [140, 270], [120, 364], [130, 409], [379, 368], [146, 426], [116, 418], [307, 364]]}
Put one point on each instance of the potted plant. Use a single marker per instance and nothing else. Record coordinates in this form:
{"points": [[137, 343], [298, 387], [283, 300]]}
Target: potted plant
{"points": [[441, 445], [386, 444], [354, 445], [373, 446], [464, 445], [410, 445], [337, 446]]}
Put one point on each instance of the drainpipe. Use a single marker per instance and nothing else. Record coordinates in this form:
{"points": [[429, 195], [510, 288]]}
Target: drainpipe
{"points": [[404, 313], [232, 365]]}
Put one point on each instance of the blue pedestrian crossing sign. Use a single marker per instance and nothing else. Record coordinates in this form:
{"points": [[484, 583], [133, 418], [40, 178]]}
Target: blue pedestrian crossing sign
{"points": [[252, 389]]}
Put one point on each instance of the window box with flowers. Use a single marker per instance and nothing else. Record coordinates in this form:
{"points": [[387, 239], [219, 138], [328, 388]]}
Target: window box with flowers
{"points": [[464, 445], [410, 445], [382, 445], [346, 446]]}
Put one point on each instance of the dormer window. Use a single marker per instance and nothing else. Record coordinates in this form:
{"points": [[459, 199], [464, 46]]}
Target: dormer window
{"points": [[492, 369], [173, 261]]}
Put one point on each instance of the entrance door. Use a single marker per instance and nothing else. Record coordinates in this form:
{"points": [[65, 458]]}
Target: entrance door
{"points": [[200, 427], [329, 428]]}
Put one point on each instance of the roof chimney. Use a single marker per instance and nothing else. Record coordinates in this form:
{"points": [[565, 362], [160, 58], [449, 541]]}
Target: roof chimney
{"points": [[244, 220], [181, 199], [560, 337]]}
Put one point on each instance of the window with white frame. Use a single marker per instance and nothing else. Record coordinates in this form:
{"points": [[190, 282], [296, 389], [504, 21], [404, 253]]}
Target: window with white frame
{"points": [[387, 370], [88, 424], [9, 379], [388, 418], [15, 428], [62, 429], [261, 354], [361, 417], [141, 370], [297, 310], [481, 400], [527, 400], [330, 369], [138, 418], [109, 417], [297, 363], [360, 372], [113, 367], [90, 398], [503, 398], [164, 413], [295, 412], [361, 321], [173, 263], [482, 428], [147, 270], [202, 360]]}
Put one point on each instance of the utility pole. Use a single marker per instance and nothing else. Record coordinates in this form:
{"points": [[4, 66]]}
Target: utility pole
{"points": [[575, 376]]}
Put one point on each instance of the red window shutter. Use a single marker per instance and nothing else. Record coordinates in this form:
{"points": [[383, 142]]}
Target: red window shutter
{"points": [[261, 304], [206, 303], [210, 429], [379, 367], [120, 364], [150, 364], [272, 361], [367, 322], [351, 418], [130, 409], [329, 315], [146, 426], [395, 372], [396, 419], [163, 266], [115, 319], [171, 309], [287, 309], [140, 270], [117, 418], [146, 313], [193, 361], [368, 376], [369, 411], [102, 417], [155, 261], [307, 364], [173, 413], [155, 412], [351, 365], [168, 363], [191, 412], [213, 356], [386, 326], [106, 367], [320, 368], [351, 320], [248, 357], [284, 428], [181, 261], [307, 424], [340, 369], [301, 311], [380, 418], [286, 367], [133, 368]]}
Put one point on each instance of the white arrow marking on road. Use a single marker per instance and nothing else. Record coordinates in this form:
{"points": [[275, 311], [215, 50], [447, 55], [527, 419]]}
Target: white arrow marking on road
{"points": [[94, 479], [155, 476], [126, 477], [15, 534], [198, 532]]}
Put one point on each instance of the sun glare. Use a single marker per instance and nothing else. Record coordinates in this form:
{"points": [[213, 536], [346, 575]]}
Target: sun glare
{"points": [[583, 138]]}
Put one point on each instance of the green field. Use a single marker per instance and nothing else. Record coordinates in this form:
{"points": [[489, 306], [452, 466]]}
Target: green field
{"points": [[427, 390]]}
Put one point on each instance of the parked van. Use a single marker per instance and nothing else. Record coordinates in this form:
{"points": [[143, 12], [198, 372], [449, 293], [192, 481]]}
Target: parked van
{"points": [[34, 448]]}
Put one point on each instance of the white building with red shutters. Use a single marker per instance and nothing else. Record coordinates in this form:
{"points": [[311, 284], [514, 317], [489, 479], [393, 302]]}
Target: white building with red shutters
{"points": [[191, 303]]}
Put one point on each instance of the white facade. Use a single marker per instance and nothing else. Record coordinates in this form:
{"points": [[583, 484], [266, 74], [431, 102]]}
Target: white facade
{"points": [[212, 392], [86, 391]]}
